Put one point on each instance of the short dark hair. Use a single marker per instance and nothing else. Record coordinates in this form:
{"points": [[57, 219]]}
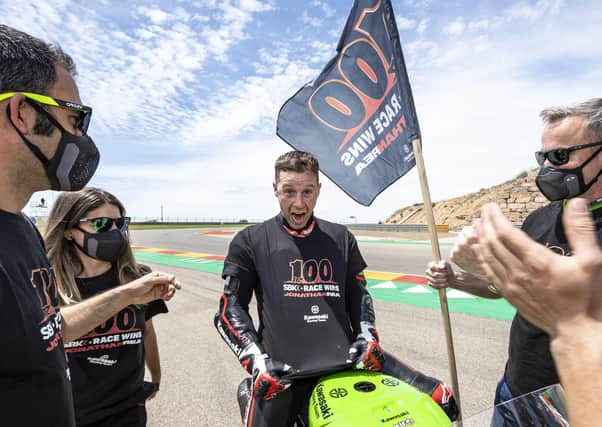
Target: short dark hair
{"points": [[27, 64], [297, 161]]}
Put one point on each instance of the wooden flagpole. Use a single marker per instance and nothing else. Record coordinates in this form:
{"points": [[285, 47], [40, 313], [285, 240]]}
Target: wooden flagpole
{"points": [[430, 217]]}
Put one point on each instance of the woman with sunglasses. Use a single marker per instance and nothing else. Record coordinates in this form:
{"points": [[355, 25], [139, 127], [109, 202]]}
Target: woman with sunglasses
{"points": [[88, 247]]}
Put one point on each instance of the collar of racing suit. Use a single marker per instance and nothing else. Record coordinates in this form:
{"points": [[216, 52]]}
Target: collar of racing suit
{"points": [[303, 232]]}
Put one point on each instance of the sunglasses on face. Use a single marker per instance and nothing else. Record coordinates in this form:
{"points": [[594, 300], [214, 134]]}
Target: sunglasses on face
{"points": [[85, 113], [560, 156], [104, 223]]}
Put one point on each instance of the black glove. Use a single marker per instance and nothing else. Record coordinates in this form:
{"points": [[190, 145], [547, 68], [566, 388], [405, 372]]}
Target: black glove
{"points": [[365, 352], [266, 373], [267, 376]]}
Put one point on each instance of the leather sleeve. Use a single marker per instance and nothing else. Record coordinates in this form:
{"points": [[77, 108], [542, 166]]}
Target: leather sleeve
{"points": [[359, 303], [233, 321]]}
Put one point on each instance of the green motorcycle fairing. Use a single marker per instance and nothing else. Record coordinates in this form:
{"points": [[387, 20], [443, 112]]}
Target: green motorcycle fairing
{"points": [[366, 399]]}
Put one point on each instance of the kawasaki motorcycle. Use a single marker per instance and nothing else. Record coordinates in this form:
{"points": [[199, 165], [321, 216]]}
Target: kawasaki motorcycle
{"points": [[370, 399], [355, 398], [349, 398]]}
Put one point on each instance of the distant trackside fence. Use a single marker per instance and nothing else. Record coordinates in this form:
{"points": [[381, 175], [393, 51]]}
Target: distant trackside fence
{"points": [[192, 220], [441, 228]]}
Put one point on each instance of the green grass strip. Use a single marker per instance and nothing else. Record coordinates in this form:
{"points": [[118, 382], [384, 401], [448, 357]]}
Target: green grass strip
{"points": [[198, 264], [482, 307]]}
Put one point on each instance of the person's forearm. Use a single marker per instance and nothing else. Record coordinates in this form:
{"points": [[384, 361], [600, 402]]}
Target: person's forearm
{"points": [[233, 321], [474, 285], [151, 355], [360, 307], [577, 352], [81, 318]]}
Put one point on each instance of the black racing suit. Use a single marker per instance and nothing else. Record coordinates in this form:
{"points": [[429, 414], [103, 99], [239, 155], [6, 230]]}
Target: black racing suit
{"points": [[311, 297]]}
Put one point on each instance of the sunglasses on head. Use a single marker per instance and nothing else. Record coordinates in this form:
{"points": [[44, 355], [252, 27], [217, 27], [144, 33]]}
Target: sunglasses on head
{"points": [[560, 156], [104, 223], [85, 113]]}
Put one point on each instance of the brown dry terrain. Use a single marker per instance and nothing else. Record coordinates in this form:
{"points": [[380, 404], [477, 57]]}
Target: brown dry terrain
{"points": [[516, 197]]}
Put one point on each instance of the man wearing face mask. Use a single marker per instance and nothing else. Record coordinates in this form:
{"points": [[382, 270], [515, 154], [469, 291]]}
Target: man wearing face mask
{"points": [[44, 145], [571, 163]]}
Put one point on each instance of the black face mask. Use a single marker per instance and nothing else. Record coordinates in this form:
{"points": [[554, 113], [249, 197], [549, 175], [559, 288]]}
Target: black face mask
{"points": [[74, 162], [559, 184], [106, 246]]}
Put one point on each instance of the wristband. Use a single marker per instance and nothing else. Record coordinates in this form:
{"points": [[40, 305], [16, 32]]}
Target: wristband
{"points": [[493, 289]]}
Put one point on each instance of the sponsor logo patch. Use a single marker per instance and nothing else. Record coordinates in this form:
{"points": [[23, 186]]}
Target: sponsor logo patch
{"points": [[102, 360]]}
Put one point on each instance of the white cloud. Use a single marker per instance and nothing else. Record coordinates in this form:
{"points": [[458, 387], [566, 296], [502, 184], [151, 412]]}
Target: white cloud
{"points": [[327, 9], [135, 74], [480, 96], [249, 104], [220, 194], [479, 25], [422, 26], [420, 52], [405, 23], [253, 6], [201, 85], [530, 11], [311, 20], [200, 18], [456, 27], [419, 4], [232, 22], [321, 53], [155, 15], [145, 34]]}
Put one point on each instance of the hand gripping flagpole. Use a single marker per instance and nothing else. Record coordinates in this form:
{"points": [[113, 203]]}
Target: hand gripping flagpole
{"points": [[430, 217]]}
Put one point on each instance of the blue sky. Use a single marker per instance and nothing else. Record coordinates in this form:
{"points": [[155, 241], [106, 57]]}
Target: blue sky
{"points": [[186, 93]]}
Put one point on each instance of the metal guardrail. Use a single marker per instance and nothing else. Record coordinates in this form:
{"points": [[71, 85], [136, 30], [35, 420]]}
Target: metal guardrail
{"points": [[442, 228], [195, 220]]}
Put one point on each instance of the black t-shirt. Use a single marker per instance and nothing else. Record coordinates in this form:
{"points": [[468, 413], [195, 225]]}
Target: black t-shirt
{"points": [[34, 378], [530, 365], [304, 287], [107, 364]]}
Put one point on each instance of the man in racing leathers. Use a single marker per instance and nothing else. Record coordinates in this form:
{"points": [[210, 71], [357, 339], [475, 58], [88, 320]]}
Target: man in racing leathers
{"points": [[313, 306]]}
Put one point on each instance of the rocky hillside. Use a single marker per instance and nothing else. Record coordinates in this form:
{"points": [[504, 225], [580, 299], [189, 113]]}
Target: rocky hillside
{"points": [[516, 197]]}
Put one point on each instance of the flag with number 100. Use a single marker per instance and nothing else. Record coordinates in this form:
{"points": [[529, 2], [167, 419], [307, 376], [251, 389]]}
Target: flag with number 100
{"points": [[358, 115]]}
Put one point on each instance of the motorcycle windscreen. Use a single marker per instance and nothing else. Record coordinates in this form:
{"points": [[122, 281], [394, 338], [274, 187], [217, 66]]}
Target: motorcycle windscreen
{"points": [[541, 408]]}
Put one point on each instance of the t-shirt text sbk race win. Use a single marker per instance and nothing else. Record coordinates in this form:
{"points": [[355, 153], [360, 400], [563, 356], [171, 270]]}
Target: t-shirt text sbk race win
{"points": [[358, 116]]}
